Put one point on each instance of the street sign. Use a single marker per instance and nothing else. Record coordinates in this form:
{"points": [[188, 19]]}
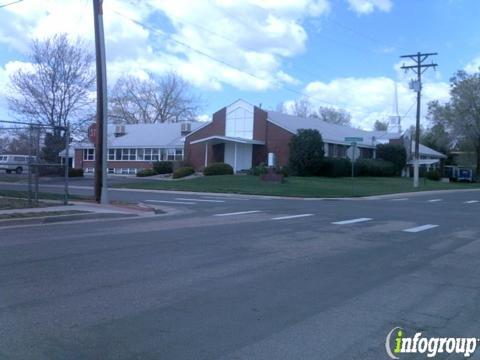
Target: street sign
{"points": [[352, 152], [352, 139]]}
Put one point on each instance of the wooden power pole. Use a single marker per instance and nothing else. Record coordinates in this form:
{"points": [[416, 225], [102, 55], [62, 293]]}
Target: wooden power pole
{"points": [[101, 194], [418, 68]]}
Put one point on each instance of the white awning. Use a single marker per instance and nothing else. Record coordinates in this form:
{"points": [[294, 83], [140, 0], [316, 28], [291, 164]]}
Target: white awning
{"points": [[424, 162]]}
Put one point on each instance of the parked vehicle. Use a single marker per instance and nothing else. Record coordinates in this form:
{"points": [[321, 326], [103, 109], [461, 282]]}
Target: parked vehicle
{"points": [[458, 173], [15, 163]]}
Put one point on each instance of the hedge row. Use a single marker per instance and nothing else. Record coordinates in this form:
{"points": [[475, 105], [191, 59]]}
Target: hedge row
{"points": [[335, 167], [218, 169], [183, 171]]}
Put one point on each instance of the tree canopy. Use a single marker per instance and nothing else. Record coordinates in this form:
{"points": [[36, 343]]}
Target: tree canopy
{"points": [[306, 152], [460, 116], [158, 99]]}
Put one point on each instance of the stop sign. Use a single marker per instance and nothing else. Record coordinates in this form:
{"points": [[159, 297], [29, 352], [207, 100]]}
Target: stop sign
{"points": [[92, 133]]}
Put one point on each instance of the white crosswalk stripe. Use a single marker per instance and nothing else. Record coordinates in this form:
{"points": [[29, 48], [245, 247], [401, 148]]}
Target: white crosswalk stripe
{"points": [[471, 202], [291, 216], [420, 228], [352, 221], [224, 198], [434, 200], [201, 200], [401, 199], [239, 213], [172, 202]]}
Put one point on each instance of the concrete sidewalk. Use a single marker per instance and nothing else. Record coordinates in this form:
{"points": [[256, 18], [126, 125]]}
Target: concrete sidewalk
{"points": [[86, 212]]}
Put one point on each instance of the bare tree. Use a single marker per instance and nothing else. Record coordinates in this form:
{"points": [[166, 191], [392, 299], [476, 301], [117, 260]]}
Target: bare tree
{"points": [[334, 116], [55, 88], [158, 99], [303, 108], [300, 107], [380, 125]]}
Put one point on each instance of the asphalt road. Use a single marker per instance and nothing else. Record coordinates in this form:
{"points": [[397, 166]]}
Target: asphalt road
{"points": [[243, 278]]}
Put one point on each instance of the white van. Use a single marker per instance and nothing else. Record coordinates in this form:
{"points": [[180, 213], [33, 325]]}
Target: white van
{"points": [[16, 163]]}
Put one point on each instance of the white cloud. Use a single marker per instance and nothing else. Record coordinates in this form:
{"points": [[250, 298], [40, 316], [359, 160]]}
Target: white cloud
{"points": [[254, 36], [473, 66], [371, 99], [363, 7]]}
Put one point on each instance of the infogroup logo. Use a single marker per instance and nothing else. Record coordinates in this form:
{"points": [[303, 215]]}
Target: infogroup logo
{"points": [[398, 343]]}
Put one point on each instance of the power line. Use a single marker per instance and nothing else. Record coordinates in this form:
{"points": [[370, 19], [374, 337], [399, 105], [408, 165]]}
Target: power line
{"points": [[11, 3], [151, 28], [234, 42]]}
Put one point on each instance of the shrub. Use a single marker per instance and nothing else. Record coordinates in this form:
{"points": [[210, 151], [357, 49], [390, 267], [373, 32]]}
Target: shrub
{"points": [[183, 171], [306, 152], [336, 167], [283, 170], [146, 172], [374, 167], [51, 170], [218, 169], [163, 167], [75, 172], [258, 170], [396, 154], [433, 175]]}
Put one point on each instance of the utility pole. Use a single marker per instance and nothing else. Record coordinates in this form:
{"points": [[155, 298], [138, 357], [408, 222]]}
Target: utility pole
{"points": [[418, 68], [101, 194]]}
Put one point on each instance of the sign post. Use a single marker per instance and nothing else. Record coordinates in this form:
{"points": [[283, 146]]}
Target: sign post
{"points": [[353, 155]]}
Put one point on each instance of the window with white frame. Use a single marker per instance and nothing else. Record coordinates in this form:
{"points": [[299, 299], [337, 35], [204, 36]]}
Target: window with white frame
{"points": [[89, 154], [147, 154], [170, 154], [155, 153], [239, 123], [179, 154], [140, 154]]}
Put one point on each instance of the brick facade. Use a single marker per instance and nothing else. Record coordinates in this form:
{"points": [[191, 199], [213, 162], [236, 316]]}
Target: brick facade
{"points": [[195, 153]]}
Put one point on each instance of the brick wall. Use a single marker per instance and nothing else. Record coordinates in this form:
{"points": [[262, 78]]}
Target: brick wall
{"points": [[277, 142], [195, 153]]}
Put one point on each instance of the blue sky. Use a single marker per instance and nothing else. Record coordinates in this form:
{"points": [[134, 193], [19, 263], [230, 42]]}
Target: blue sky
{"points": [[343, 53]]}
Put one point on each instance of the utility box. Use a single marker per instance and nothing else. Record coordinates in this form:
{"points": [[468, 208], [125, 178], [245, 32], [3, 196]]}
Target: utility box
{"points": [[272, 160]]}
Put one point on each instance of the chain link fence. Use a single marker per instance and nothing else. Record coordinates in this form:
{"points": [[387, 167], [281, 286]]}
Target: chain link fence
{"points": [[24, 167]]}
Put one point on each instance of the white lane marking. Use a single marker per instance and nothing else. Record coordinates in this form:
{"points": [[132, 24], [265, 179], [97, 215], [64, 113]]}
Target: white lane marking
{"points": [[471, 202], [203, 200], [291, 217], [352, 221], [172, 202], [420, 228], [239, 213], [224, 198], [401, 199], [434, 200]]}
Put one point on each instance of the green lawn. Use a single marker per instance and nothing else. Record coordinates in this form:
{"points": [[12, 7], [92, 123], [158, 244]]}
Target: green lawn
{"points": [[297, 186]]}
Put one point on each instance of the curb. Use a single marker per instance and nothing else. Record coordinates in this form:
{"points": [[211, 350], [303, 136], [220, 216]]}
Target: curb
{"points": [[60, 218]]}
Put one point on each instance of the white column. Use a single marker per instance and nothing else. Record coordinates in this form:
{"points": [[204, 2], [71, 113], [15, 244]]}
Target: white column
{"points": [[206, 154], [235, 160]]}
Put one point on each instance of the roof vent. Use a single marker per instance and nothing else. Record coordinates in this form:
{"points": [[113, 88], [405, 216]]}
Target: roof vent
{"points": [[119, 130], [186, 128]]}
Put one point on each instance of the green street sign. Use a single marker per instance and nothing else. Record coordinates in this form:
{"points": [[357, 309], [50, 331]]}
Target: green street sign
{"points": [[353, 139]]}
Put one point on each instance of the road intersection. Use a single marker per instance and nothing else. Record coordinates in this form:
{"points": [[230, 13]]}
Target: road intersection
{"points": [[242, 277]]}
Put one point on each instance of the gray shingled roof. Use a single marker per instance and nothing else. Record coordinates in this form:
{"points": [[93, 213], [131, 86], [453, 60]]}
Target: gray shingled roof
{"points": [[331, 133], [145, 135]]}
